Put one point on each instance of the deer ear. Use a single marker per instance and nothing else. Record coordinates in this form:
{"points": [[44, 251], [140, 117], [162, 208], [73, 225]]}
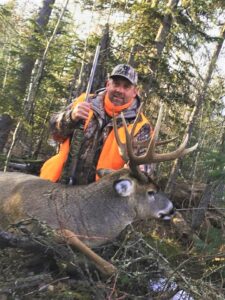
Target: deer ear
{"points": [[102, 172], [123, 187]]}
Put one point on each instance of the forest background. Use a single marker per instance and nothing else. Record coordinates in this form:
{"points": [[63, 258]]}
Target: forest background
{"points": [[177, 48]]}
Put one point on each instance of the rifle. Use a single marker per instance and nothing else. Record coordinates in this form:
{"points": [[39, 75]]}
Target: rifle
{"points": [[80, 132], [90, 81]]}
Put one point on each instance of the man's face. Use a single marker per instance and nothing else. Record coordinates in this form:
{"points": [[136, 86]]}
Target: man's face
{"points": [[120, 90]]}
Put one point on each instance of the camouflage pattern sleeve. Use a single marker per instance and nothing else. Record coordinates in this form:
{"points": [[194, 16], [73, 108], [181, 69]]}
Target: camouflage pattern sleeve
{"points": [[61, 124]]}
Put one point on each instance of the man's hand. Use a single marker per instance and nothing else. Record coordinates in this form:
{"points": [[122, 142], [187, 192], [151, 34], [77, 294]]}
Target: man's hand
{"points": [[81, 111]]}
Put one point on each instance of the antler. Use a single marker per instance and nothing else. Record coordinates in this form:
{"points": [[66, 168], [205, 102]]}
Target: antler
{"points": [[150, 156]]}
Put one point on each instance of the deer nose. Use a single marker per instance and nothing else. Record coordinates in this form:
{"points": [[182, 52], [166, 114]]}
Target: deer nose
{"points": [[167, 215]]}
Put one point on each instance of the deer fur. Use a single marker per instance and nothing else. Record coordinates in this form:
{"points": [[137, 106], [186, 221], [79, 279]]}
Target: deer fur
{"points": [[95, 213]]}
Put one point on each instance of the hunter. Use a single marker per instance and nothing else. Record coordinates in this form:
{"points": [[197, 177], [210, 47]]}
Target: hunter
{"points": [[79, 156]]}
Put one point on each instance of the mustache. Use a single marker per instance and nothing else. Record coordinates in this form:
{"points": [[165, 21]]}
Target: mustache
{"points": [[119, 95]]}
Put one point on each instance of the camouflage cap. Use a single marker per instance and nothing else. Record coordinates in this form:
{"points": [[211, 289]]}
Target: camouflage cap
{"points": [[125, 71]]}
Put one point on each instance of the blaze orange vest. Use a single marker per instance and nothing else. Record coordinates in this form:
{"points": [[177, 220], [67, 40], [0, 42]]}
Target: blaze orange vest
{"points": [[109, 156]]}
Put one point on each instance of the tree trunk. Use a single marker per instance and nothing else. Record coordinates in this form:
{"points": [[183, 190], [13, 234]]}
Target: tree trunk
{"points": [[6, 124], [6, 71], [100, 73], [135, 49], [12, 145], [29, 58], [160, 40]]}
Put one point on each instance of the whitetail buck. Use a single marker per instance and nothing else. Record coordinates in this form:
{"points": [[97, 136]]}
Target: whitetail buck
{"points": [[96, 213]]}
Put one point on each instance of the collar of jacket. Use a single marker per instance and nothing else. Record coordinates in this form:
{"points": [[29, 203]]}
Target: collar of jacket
{"points": [[97, 101]]}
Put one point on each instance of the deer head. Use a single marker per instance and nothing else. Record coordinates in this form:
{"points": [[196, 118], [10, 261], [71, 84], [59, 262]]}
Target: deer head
{"points": [[159, 204]]}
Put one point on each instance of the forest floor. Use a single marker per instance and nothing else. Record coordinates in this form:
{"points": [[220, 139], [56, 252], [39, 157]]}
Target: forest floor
{"points": [[155, 260]]}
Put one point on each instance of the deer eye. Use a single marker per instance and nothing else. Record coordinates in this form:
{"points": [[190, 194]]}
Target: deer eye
{"points": [[151, 193], [124, 187]]}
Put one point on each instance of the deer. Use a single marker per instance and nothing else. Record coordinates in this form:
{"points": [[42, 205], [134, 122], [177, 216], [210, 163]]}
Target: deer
{"points": [[92, 215]]}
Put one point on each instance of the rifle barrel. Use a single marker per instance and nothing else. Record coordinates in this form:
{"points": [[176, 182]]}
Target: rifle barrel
{"points": [[97, 51]]}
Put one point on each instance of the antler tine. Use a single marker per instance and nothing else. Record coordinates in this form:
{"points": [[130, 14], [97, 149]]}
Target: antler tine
{"points": [[127, 134], [151, 146], [180, 151], [130, 153], [160, 143], [150, 156], [133, 165], [136, 120], [154, 138], [122, 146], [189, 150], [126, 149], [144, 144], [155, 157], [156, 131], [134, 159]]}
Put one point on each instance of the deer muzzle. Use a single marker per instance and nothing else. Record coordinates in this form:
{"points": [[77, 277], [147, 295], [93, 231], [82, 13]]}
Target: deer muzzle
{"points": [[166, 215]]}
